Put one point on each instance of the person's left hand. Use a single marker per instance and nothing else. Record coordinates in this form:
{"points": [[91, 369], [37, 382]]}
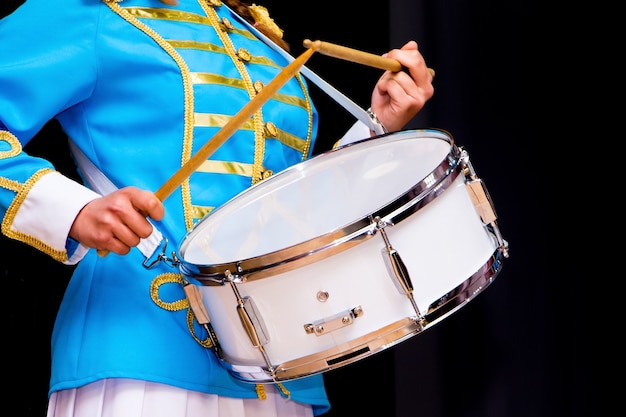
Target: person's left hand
{"points": [[399, 96]]}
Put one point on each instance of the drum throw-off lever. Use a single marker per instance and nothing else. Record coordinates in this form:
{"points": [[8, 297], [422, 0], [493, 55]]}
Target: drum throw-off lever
{"points": [[397, 265]]}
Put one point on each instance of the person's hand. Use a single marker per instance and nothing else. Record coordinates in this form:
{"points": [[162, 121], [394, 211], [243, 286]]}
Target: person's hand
{"points": [[117, 221], [399, 96]]}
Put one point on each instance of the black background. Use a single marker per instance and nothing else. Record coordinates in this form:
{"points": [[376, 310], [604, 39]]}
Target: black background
{"points": [[521, 348]]}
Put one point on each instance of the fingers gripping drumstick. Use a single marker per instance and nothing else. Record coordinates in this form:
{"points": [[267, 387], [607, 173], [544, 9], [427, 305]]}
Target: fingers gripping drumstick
{"points": [[354, 55], [229, 128]]}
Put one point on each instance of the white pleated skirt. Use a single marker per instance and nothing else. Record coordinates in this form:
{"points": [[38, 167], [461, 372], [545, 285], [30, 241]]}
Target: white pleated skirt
{"points": [[117, 397]]}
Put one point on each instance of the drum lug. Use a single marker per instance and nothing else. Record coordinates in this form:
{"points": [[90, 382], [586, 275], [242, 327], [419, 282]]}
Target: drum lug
{"points": [[396, 265], [249, 316], [251, 322], [478, 192], [335, 322], [482, 201]]}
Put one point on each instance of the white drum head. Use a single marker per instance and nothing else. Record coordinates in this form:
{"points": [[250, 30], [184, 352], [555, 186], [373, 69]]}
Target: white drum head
{"points": [[315, 197]]}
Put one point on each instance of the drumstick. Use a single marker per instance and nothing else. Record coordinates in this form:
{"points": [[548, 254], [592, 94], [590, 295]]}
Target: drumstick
{"points": [[229, 128], [354, 55], [233, 124]]}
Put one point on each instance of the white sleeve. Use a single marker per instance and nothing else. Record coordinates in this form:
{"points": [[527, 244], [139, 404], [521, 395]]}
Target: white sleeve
{"points": [[49, 209]]}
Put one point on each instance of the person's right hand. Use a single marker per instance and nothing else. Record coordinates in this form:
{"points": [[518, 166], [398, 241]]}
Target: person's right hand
{"points": [[117, 221]]}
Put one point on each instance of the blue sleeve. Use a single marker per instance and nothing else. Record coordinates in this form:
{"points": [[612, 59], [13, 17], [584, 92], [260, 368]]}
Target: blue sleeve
{"points": [[47, 62], [47, 65]]}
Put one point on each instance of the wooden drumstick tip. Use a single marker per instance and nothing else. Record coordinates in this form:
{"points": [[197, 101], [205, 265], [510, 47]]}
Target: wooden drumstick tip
{"points": [[316, 45]]}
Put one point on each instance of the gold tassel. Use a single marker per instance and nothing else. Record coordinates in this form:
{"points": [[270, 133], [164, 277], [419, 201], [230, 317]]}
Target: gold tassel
{"points": [[261, 15]]}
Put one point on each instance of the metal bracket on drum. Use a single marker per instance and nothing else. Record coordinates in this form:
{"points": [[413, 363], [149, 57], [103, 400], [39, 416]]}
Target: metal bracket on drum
{"points": [[333, 323], [397, 265], [482, 200]]}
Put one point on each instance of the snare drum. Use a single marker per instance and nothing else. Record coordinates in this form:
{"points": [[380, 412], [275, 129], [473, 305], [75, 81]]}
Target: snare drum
{"points": [[343, 255]]}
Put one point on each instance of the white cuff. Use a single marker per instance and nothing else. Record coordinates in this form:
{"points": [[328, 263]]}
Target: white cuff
{"points": [[48, 211]]}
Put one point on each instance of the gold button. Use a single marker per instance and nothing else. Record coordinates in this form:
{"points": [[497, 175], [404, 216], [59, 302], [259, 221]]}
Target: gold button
{"points": [[227, 24], [266, 174], [258, 86], [243, 54], [216, 3], [270, 130]]}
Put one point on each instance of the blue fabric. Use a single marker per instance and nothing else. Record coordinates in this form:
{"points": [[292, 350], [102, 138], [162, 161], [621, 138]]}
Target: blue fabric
{"points": [[119, 95]]}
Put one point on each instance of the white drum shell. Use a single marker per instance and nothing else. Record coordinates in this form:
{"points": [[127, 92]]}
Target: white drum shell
{"points": [[442, 244]]}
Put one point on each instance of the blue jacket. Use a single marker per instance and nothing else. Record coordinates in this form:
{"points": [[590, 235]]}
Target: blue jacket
{"points": [[138, 87]]}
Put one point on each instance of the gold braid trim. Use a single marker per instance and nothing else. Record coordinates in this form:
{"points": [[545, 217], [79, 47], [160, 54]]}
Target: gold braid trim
{"points": [[16, 146], [167, 278], [9, 217], [309, 109], [172, 278], [260, 391], [207, 343], [283, 390]]}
